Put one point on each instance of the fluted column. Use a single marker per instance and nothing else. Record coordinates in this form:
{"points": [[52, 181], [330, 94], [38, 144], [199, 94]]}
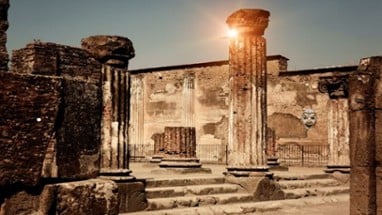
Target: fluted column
{"points": [[137, 110], [338, 122], [188, 94], [114, 53], [247, 79]]}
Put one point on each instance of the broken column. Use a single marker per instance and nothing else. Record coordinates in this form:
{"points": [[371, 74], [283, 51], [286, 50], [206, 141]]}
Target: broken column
{"points": [[247, 104], [365, 116], [114, 53], [179, 151], [338, 122]]}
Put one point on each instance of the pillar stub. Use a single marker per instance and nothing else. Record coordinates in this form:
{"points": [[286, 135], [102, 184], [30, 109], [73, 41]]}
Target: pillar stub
{"points": [[252, 21], [112, 50]]}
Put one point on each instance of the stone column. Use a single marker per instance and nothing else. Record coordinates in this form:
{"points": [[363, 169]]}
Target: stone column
{"points": [[247, 79], [338, 122], [365, 116], [114, 53]]}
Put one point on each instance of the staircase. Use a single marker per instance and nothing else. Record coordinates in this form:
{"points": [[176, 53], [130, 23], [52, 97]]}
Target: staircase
{"points": [[211, 195], [300, 186], [192, 192]]}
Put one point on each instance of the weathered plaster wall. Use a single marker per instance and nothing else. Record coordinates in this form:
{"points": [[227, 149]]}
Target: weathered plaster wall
{"points": [[289, 92], [287, 98]]}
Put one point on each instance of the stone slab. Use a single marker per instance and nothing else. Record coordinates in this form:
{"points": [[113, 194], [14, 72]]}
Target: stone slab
{"points": [[132, 196]]}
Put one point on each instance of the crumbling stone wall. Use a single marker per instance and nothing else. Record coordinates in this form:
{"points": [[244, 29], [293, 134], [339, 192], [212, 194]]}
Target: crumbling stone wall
{"points": [[289, 92], [50, 118], [44, 58]]}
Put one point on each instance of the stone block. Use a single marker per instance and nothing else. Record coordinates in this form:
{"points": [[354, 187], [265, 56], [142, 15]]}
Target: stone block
{"points": [[78, 130], [36, 200], [28, 110], [362, 190], [132, 196], [50, 127], [95, 196], [262, 188], [362, 138]]}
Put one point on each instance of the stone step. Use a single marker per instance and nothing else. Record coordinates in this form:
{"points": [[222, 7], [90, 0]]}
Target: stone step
{"points": [[295, 184], [292, 176], [164, 192], [315, 191], [249, 207], [173, 182], [196, 201]]}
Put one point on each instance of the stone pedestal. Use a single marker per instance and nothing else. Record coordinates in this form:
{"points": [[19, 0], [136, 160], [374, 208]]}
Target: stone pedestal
{"points": [[247, 100], [179, 151], [338, 122], [114, 53], [159, 148]]}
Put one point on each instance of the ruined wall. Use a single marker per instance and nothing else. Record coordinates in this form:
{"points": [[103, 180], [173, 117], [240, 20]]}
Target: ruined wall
{"points": [[160, 93], [50, 117], [287, 98], [42, 58]]}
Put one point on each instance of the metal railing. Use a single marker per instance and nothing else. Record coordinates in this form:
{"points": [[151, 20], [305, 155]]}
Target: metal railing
{"points": [[293, 154], [140, 151], [211, 153]]}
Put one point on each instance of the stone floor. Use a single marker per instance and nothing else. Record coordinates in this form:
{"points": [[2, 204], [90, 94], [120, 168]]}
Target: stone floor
{"points": [[143, 170]]}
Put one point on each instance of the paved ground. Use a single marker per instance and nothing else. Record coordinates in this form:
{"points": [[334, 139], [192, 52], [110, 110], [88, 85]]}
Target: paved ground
{"points": [[316, 206], [337, 208], [143, 170]]}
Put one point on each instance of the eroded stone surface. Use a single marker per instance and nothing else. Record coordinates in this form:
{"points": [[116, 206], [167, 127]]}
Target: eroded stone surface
{"points": [[28, 111], [105, 48], [87, 197]]}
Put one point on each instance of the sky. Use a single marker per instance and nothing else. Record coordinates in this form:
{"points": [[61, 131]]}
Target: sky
{"points": [[311, 33]]}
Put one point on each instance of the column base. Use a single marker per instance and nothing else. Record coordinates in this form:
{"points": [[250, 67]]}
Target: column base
{"points": [[251, 171], [345, 169], [274, 164], [180, 166], [180, 163], [156, 159], [118, 175]]}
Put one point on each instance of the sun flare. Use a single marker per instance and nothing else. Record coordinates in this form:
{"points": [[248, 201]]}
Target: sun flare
{"points": [[232, 33]]}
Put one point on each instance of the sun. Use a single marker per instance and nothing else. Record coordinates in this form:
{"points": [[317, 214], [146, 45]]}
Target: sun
{"points": [[232, 33]]}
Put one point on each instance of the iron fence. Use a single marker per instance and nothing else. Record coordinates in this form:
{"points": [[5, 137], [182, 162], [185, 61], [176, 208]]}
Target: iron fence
{"points": [[211, 153], [140, 151], [293, 154]]}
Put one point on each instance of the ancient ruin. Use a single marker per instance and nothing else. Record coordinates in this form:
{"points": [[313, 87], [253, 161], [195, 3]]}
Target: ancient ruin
{"points": [[82, 134]]}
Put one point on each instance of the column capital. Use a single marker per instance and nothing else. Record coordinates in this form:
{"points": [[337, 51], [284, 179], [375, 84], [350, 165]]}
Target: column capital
{"points": [[114, 50], [252, 21], [334, 86]]}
